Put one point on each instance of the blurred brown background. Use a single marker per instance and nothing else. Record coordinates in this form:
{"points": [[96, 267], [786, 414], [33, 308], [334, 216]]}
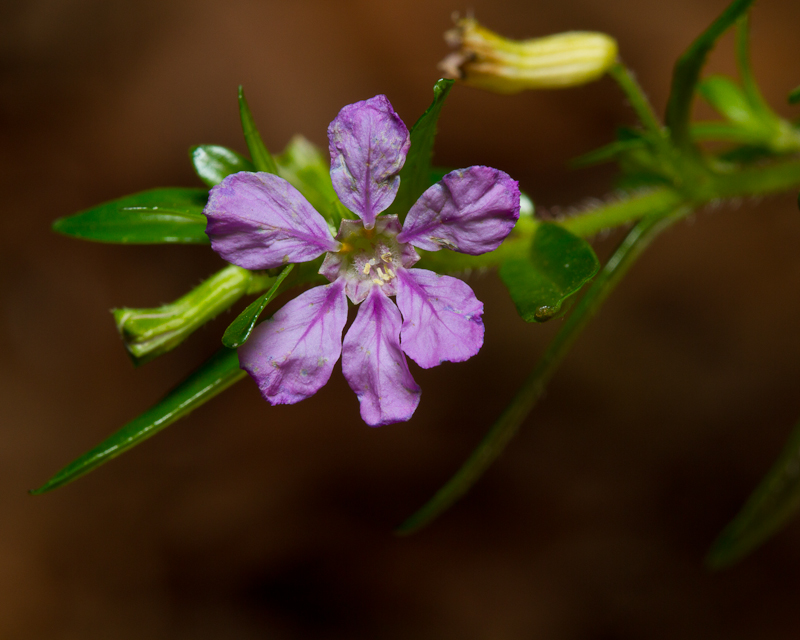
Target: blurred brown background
{"points": [[246, 521]]}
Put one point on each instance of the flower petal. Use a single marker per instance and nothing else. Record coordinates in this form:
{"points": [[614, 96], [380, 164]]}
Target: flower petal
{"points": [[368, 145], [374, 365], [441, 318], [292, 354], [470, 210], [260, 221]]}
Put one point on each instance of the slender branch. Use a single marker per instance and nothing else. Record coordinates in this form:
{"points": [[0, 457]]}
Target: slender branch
{"points": [[509, 422], [637, 98]]}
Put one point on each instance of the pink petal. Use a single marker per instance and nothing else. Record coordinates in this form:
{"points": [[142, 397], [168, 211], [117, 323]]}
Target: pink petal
{"points": [[470, 210], [368, 145], [260, 221], [374, 365], [292, 354], [441, 318]]}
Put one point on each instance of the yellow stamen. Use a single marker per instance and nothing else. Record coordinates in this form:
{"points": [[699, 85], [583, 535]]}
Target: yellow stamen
{"points": [[386, 257], [366, 268], [376, 281], [390, 272]]}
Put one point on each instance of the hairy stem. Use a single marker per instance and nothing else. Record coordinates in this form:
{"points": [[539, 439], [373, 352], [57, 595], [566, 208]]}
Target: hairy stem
{"points": [[509, 422]]}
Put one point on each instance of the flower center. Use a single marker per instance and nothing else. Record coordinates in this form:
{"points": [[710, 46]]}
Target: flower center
{"points": [[368, 257]]}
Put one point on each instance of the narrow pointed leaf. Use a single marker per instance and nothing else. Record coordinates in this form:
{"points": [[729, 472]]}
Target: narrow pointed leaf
{"points": [[155, 216], [558, 265], [729, 100], [608, 152], [215, 375], [262, 159], [770, 506], [515, 413], [415, 176], [305, 167], [239, 330], [687, 72], [213, 163]]}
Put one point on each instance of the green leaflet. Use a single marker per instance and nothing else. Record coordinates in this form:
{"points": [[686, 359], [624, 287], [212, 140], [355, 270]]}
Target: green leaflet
{"points": [[416, 172], [239, 330], [308, 170], [729, 100], [557, 266], [215, 375], [687, 72], [773, 502], [214, 163], [262, 159], [794, 96], [158, 215]]}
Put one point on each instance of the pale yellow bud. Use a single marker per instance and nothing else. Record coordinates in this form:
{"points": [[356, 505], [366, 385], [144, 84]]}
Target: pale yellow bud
{"points": [[488, 61]]}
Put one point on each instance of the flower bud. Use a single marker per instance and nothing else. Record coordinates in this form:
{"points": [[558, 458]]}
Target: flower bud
{"points": [[488, 61], [148, 333]]}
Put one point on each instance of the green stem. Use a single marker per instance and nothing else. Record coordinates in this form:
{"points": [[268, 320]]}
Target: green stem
{"points": [[624, 211], [638, 100], [509, 422], [749, 84]]}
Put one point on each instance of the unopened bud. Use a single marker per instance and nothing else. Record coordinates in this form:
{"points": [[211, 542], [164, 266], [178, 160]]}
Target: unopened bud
{"points": [[488, 61]]}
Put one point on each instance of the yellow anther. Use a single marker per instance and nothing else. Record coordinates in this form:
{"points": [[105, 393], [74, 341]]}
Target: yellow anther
{"points": [[387, 257], [381, 274], [376, 281], [390, 272], [366, 268]]}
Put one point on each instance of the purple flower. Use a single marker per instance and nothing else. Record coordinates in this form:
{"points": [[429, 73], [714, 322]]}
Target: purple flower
{"points": [[260, 221]]}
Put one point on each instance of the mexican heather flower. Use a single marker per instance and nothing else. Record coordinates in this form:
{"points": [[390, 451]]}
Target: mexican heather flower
{"points": [[260, 221]]}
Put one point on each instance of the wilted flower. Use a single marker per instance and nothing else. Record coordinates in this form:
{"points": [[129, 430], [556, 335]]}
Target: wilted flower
{"points": [[260, 221], [488, 61]]}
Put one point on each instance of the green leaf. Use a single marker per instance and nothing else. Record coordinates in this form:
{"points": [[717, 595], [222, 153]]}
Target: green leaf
{"points": [[155, 216], [214, 163], [214, 376], [558, 265], [770, 506], [687, 72], [794, 96], [729, 100], [262, 159], [608, 152], [416, 172], [308, 170], [523, 402], [239, 330]]}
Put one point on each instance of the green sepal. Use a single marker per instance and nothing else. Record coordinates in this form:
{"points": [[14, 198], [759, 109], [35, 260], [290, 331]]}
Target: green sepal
{"points": [[687, 73], [557, 266], [305, 167], [212, 377], [159, 215], [794, 96], [775, 500], [415, 175], [262, 159], [239, 330], [214, 163]]}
